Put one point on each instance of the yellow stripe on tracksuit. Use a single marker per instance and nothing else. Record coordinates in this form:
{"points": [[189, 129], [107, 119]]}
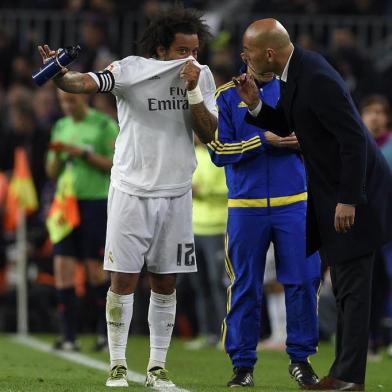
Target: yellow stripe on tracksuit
{"points": [[235, 144], [234, 148], [273, 201], [230, 272], [222, 88]]}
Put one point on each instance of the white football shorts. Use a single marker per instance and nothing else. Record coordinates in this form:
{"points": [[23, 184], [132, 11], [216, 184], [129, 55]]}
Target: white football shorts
{"points": [[156, 231]]}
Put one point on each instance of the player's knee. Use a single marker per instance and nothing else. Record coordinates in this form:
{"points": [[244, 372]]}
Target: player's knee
{"points": [[122, 283], [163, 283]]}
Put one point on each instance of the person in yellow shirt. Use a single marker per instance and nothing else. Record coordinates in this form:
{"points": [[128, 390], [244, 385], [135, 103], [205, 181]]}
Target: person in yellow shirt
{"points": [[209, 225]]}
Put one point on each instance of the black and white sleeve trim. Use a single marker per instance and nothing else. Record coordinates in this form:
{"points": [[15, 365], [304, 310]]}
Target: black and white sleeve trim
{"points": [[105, 81]]}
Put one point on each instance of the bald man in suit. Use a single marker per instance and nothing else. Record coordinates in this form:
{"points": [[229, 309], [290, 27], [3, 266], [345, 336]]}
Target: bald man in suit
{"points": [[350, 184]]}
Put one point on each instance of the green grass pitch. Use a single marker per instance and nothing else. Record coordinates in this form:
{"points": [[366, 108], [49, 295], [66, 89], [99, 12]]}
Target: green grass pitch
{"points": [[25, 369]]}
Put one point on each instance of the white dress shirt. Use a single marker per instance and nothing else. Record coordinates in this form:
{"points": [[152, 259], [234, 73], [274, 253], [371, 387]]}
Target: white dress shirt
{"points": [[283, 78]]}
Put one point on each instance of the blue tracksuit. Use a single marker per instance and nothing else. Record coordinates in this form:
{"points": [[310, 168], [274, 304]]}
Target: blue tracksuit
{"points": [[267, 202]]}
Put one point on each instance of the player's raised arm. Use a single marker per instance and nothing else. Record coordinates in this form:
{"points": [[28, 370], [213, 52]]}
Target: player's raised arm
{"points": [[204, 122], [69, 81]]}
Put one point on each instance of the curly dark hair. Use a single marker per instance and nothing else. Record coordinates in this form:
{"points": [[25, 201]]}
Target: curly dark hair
{"points": [[162, 30]]}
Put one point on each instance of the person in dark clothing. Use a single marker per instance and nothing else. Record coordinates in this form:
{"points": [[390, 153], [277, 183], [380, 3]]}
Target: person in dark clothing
{"points": [[375, 112], [22, 132]]}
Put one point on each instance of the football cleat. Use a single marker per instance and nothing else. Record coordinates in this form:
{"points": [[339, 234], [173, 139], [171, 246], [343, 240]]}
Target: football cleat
{"points": [[202, 342], [158, 378], [117, 377], [101, 344], [66, 345], [242, 377], [303, 373]]}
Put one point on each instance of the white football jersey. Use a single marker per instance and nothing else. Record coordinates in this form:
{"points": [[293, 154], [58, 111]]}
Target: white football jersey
{"points": [[154, 151]]}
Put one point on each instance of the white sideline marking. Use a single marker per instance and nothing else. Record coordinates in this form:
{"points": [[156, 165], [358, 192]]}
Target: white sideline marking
{"points": [[83, 360]]}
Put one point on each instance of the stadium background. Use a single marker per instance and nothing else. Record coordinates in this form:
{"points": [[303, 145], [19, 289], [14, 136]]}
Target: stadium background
{"points": [[354, 35]]}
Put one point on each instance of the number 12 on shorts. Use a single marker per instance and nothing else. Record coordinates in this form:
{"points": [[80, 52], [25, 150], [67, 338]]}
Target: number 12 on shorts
{"points": [[186, 252]]}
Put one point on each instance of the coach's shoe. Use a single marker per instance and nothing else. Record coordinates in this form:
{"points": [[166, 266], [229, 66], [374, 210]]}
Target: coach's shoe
{"points": [[303, 373], [242, 377], [333, 384], [157, 377], [117, 377]]}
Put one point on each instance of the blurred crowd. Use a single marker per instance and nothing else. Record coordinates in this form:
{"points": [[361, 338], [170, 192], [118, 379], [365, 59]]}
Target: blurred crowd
{"points": [[28, 114], [116, 7]]}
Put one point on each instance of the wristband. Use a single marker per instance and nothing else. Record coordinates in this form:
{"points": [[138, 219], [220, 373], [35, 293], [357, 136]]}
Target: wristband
{"points": [[195, 96]]}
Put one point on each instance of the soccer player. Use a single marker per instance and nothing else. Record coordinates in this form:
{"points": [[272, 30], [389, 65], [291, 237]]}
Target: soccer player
{"points": [[160, 101], [267, 203], [82, 142]]}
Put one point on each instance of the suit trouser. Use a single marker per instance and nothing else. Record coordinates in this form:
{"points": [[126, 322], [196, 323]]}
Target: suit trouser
{"points": [[351, 282]]}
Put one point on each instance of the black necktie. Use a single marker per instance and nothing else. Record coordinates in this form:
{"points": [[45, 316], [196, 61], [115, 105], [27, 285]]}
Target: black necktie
{"points": [[283, 86]]}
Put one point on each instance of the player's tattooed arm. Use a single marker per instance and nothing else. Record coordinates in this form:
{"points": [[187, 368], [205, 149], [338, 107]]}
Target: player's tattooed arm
{"points": [[71, 82], [76, 82], [204, 122]]}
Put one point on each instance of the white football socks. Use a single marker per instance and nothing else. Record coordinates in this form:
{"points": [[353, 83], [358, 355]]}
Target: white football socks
{"points": [[119, 309], [277, 313], [161, 317]]}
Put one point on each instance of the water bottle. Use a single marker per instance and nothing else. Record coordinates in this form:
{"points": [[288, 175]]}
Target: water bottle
{"points": [[54, 65]]}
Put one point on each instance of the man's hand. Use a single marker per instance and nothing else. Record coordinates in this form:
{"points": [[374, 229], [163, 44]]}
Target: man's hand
{"points": [[190, 75], [46, 54], [69, 81], [247, 89], [277, 141], [344, 217], [72, 150]]}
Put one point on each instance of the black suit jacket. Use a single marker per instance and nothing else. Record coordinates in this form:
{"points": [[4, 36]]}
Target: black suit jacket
{"points": [[343, 163]]}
